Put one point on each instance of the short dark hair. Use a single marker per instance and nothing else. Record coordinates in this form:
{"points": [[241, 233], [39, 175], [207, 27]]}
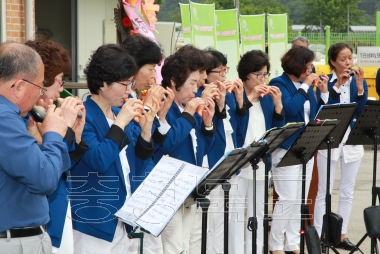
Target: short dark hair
{"points": [[334, 52], [252, 61], [216, 59], [18, 60], [56, 58], [109, 63], [191, 51], [142, 49], [294, 61], [177, 68]]}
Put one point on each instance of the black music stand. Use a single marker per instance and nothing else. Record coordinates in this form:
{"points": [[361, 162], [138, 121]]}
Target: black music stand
{"points": [[217, 176], [345, 113], [366, 132], [271, 140], [302, 150]]}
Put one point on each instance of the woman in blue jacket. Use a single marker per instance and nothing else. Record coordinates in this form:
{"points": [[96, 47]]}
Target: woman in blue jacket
{"points": [[298, 99], [264, 111], [343, 89], [191, 133], [57, 62], [116, 161]]}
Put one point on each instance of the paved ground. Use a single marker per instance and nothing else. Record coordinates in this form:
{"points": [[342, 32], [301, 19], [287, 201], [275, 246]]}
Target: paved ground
{"points": [[362, 199]]}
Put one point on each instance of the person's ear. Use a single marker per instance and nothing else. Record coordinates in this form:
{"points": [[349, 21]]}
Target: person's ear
{"points": [[172, 85], [18, 88]]}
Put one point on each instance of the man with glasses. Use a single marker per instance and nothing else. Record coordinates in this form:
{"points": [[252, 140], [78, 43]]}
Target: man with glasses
{"points": [[28, 172]]}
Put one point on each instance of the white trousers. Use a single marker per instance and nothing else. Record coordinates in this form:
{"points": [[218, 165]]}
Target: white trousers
{"points": [[121, 244], [176, 235], [242, 199], [40, 244], [349, 172], [286, 217]]}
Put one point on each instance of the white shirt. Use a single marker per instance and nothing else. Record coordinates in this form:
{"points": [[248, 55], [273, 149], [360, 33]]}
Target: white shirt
{"points": [[352, 153], [124, 165], [255, 130]]}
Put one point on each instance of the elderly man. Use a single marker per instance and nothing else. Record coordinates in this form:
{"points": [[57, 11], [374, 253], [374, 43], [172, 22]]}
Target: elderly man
{"points": [[28, 172]]}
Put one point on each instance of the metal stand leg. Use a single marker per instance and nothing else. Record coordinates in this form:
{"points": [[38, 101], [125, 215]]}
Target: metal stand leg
{"points": [[204, 203], [226, 186]]}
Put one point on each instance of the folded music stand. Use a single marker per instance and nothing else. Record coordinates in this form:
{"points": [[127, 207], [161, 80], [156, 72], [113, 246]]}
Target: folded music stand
{"points": [[301, 151], [271, 140], [345, 113], [366, 131], [218, 176]]}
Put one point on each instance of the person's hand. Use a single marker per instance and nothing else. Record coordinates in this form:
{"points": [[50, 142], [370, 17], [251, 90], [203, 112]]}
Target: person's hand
{"points": [[147, 119], [342, 78], [195, 104], [359, 74], [276, 95], [321, 83], [221, 97], [261, 90], [311, 80], [157, 92], [239, 92], [210, 91], [165, 104], [53, 121], [132, 109], [70, 107], [208, 112]]}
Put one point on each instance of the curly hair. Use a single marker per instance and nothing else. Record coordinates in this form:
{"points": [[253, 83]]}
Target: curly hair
{"points": [[252, 61], [142, 49], [55, 57], [334, 52], [199, 56], [295, 60], [109, 63], [177, 68]]}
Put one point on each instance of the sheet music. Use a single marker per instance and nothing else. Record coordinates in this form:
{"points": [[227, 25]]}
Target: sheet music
{"points": [[164, 190]]}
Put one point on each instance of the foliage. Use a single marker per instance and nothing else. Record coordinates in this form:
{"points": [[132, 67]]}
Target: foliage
{"points": [[332, 13]]}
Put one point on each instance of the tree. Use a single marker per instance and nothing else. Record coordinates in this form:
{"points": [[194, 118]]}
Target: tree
{"points": [[332, 13]]}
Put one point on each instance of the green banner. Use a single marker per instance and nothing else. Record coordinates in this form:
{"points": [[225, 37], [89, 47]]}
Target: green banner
{"points": [[252, 32], [277, 41], [186, 23], [227, 38], [203, 25]]}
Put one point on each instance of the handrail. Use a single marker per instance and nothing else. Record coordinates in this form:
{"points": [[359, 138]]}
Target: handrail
{"points": [[75, 85]]}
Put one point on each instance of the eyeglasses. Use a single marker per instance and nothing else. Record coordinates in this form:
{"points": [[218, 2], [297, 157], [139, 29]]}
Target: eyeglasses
{"points": [[310, 68], [43, 90], [224, 70], [261, 76], [60, 81], [128, 86]]}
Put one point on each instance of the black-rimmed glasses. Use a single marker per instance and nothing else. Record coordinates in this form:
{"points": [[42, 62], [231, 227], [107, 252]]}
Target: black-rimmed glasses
{"points": [[60, 81], [128, 86], [43, 90], [261, 76], [222, 71]]}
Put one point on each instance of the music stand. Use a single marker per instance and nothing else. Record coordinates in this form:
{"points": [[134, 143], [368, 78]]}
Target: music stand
{"points": [[345, 113], [366, 132], [302, 150], [217, 176], [271, 140]]}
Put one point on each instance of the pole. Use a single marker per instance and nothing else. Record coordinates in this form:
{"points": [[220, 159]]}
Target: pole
{"points": [[327, 44]]}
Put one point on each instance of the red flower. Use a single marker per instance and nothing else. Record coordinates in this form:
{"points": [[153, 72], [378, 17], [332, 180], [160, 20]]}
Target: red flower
{"points": [[126, 22]]}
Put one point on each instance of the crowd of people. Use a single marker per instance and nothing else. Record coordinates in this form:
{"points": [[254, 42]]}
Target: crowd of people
{"points": [[63, 179]]}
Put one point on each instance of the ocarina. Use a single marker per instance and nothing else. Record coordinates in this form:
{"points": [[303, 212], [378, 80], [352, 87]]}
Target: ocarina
{"points": [[352, 72], [38, 113]]}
